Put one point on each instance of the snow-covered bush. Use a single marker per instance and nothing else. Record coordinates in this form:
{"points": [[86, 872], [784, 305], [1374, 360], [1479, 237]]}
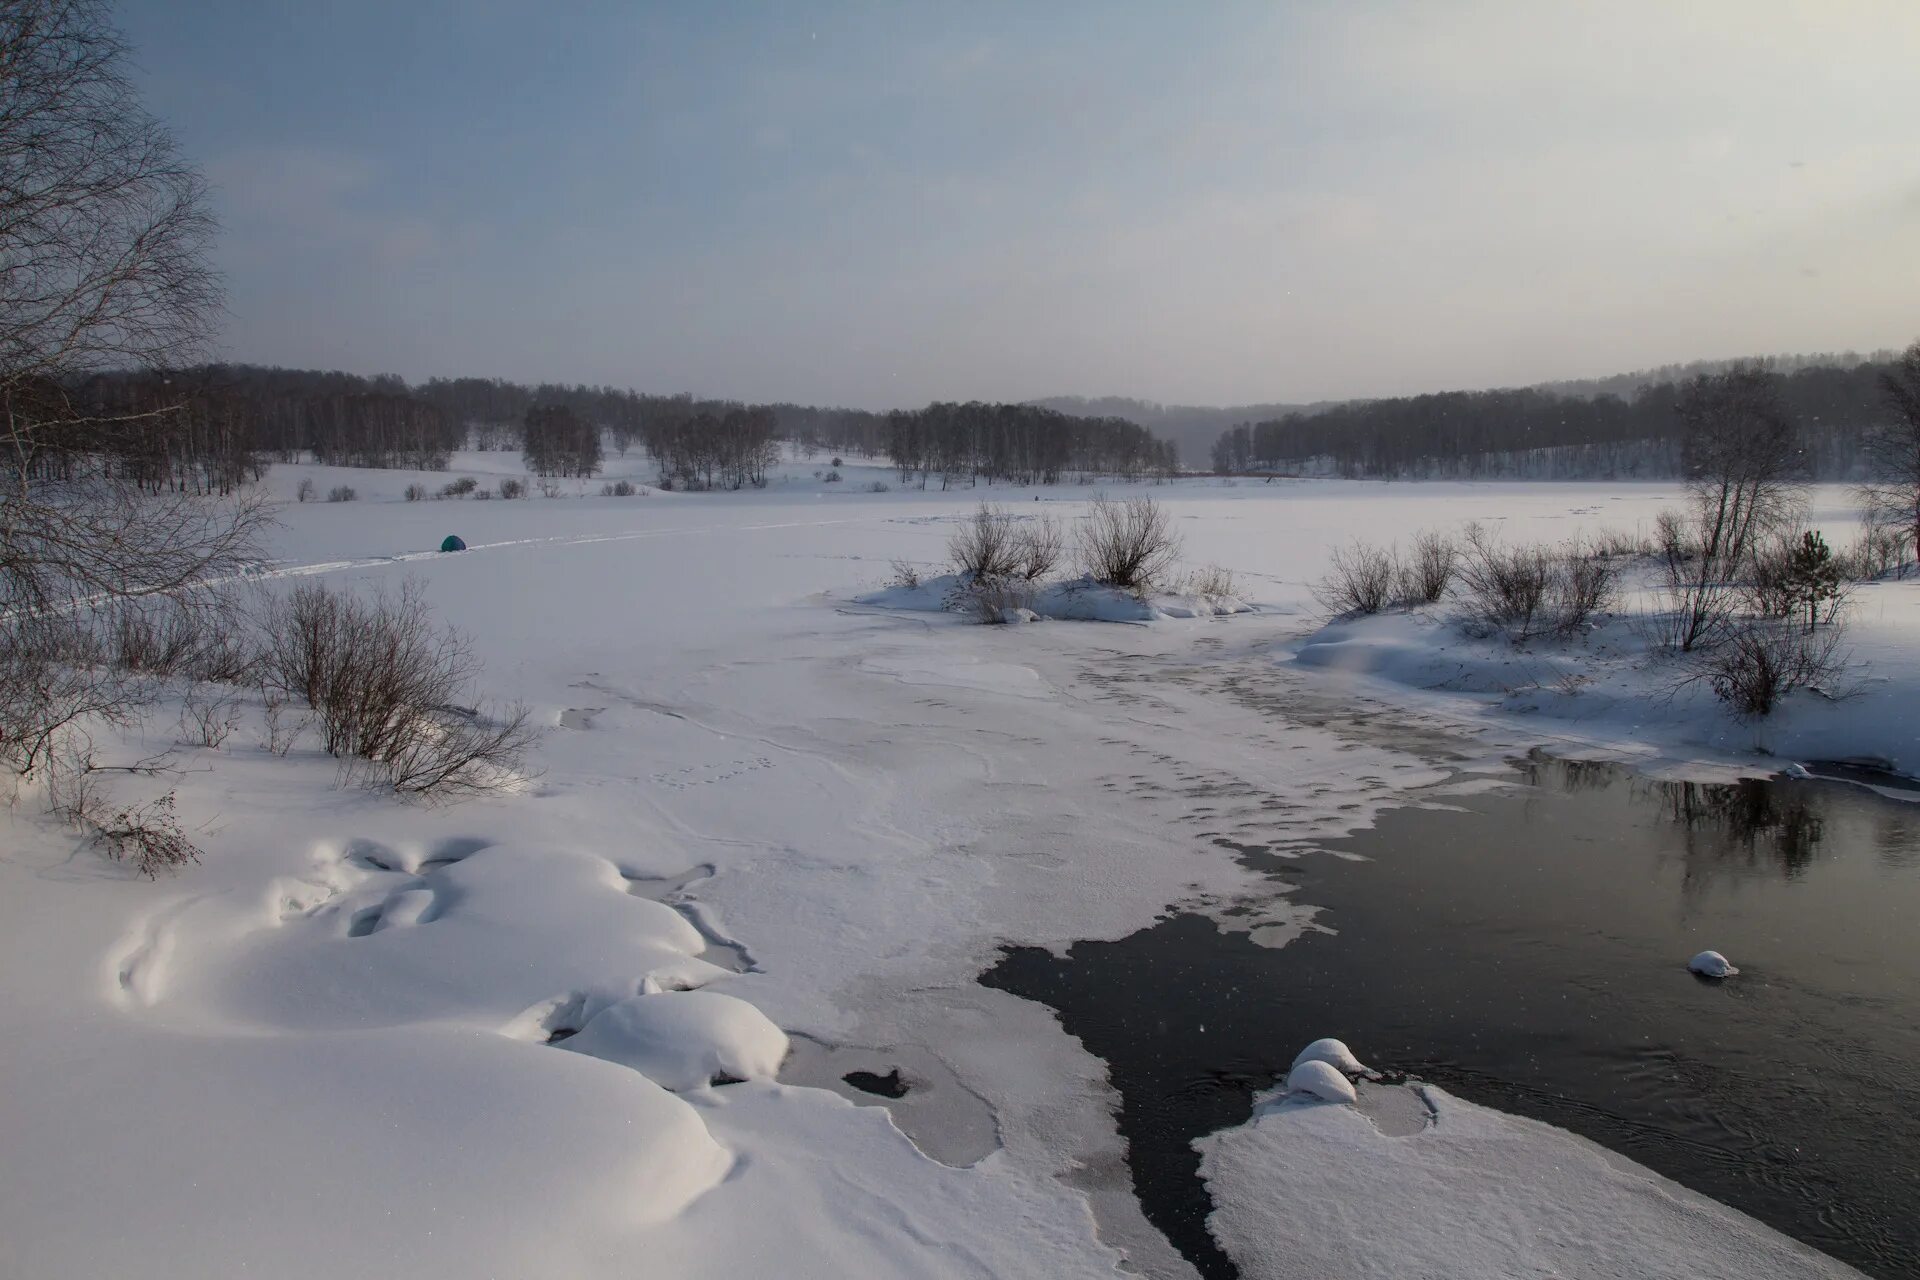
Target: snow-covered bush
{"points": [[985, 548], [1039, 545], [511, 488], [342, 493], [386, 686], [1763, 661], [459, 488], [999, 601], [1361, 580], [1531, 591], [1428, 571], [415, 492], [304, 493], [1127, 543], [146, 835], [1210, 581], [618, 489]]}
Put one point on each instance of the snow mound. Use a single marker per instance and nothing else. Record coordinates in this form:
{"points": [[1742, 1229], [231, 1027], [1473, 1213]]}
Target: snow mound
{"points": [[1321, 1080], [1321, 1191], [1711, 964], [1335, 1054], [685, 1039], [1078, 599]]}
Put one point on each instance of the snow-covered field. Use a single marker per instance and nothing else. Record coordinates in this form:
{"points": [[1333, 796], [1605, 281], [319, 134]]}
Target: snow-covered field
{"points": [[774, 834]]}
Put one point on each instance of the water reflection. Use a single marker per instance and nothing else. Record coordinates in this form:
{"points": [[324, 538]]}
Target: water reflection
{"points": [[1752, 824]]}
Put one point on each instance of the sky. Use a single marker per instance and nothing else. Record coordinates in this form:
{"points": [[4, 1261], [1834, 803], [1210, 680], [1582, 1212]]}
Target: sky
{"points": [[880, 205]]}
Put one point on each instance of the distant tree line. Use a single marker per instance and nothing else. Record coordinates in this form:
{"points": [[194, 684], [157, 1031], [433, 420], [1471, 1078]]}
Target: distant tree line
{"points": [[1541, 434], [1019, 444]]}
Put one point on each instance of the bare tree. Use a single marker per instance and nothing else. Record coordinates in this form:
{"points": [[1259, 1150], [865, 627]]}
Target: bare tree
{"points": [[103, 239], [1128, 544], [1741, 456], [1893, 449]]}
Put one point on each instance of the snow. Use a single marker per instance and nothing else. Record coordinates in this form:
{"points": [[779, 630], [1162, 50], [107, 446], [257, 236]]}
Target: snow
{"points": [[780, 806], [1308, 1191], [1711, 964], [685, 1040], [1076, 599], [1335, 1054], [1321, 1080]]}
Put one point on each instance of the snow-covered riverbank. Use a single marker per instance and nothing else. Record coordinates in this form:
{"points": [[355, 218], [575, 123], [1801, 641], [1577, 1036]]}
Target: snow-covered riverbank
{"points": [[331, 1037]]}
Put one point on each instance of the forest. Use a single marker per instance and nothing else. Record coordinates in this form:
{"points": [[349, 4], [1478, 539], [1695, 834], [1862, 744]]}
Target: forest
{"points": [[211, 428], [1542, 433]]}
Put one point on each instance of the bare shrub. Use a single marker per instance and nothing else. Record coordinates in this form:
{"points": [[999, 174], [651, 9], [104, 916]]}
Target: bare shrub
{"points": [[1768, 590], [986, 548], [282, 730], [1127, 543], [998, 600], [304, 492], [1693, 614], [1361, 580], [1039, 545], [878, 486], [452, 753], [1584, 584], [618, 489], [1618, 544], [1428, 570], [1674, 542], [208, 715], [1530, 591], [193, 633], [147, 835], [1763, 662], [1505, 588], [549, 488], [483, 495], [832, 477], [386, 687], [511, 488], [1211, 581], [459, 488], [342, 493], [415, 493], [905, 574], [1878, 549]]}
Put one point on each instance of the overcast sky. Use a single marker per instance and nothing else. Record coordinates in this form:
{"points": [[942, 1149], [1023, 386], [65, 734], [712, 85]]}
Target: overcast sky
{"points": [[883, 204]]}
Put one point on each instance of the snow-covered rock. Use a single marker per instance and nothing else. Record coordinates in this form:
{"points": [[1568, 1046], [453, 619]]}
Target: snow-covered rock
{"points": [[1711, 964], [685, 1039], [1321, 1080], [1335, 1054]]}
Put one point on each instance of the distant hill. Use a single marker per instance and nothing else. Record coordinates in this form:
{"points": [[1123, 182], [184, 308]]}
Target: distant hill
{"points": [[1192, 427]]}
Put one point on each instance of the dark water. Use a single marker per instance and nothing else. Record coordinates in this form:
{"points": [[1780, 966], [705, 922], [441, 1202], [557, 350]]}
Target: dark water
{"points": [[1529, 954]]}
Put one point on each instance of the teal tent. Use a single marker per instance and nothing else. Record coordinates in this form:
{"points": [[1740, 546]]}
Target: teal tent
{"points": [[453, 543]]}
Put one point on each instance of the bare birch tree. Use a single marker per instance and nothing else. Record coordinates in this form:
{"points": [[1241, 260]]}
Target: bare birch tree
{"points": [[104, 234]]}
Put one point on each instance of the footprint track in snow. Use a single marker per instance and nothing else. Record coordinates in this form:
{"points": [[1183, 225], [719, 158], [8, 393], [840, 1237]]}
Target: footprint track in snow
{"points": [[703, 775]]}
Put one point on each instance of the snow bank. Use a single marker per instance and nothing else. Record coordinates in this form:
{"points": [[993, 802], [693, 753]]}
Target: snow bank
{"points": [[1606, 688], [1312, 1191], [685, 1039], [1078, 599]]}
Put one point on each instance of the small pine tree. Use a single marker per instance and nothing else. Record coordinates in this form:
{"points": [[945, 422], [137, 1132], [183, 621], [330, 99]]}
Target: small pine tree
{"points": [[1814, 577]]}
